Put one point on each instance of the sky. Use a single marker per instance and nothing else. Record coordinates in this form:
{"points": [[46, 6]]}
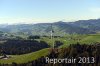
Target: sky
{"points": [[43, 11]]}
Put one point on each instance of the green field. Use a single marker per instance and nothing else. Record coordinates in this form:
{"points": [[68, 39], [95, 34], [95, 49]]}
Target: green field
{"points": [[90, 39], [67, 40], [25, 57]]}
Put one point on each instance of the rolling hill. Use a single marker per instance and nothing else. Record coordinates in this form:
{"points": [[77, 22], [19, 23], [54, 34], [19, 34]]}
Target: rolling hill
{"points": [[60, 28]]}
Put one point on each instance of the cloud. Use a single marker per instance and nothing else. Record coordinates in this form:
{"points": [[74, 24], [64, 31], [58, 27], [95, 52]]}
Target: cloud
{"points": [[26, 20]]}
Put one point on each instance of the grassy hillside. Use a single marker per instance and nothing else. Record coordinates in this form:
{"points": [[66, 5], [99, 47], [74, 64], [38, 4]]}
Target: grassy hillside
{"points": [[93, 38], [82, 39], [25, 57]]}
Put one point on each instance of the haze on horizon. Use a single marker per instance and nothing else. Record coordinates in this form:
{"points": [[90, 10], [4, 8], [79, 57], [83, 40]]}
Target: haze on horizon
{"points": [[39, 11]]}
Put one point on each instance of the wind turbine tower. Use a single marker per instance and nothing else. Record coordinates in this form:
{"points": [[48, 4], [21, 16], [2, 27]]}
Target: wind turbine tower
{"points": [[52, 36]]}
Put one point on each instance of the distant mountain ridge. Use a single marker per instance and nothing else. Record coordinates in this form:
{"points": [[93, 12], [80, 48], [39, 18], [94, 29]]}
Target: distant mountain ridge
{"points": [[80, 27]]}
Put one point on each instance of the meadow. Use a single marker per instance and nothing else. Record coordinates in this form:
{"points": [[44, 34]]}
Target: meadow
{"points": [[65, 41]]}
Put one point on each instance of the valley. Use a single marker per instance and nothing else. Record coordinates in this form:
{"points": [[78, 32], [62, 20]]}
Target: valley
{"points": [[27, 44]]}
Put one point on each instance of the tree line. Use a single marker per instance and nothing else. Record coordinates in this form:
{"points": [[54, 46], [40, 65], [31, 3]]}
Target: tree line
{"points": [[14, 47]]}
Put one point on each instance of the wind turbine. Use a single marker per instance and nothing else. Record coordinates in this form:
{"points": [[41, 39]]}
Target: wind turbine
{"points": [[52, 37]]}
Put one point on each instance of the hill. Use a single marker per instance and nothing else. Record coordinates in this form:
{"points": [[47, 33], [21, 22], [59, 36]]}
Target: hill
{"points": [[92, 24], [25, 57], [60, 28], [90, 39]]}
